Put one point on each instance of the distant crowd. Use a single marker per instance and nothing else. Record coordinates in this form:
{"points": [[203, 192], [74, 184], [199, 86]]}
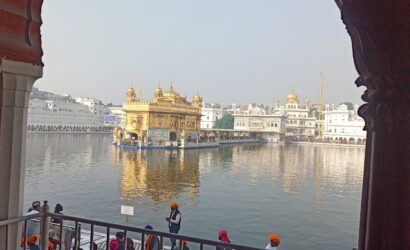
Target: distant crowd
{"points": [[152, 242], [68, 129]]}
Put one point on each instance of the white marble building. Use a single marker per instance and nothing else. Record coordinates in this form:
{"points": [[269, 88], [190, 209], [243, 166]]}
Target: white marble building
{"points": [[343, 126], [210, 113], [258, 119], [300, 123], [48, 112]]}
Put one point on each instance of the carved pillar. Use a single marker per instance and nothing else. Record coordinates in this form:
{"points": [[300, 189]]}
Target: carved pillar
{"points": [[380, 33], [20, 66], [16, 82]]}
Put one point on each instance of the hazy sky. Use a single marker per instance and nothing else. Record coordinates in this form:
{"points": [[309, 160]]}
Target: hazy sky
{"points": [[230, 51]]}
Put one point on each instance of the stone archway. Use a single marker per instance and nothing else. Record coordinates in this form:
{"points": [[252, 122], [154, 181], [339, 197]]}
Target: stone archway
{"points": [[172, 136], [133, 136], [380, 35]]}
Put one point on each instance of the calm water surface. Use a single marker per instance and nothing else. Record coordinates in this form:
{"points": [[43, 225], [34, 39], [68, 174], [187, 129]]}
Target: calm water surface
{"points": [[308, 194]]}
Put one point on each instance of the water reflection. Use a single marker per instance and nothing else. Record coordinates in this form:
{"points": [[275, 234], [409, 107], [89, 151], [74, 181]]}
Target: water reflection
{"points": [[158, 174], [309, 194]]}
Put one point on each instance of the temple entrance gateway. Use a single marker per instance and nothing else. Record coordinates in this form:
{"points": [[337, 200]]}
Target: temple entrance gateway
{"points": [[133, 136], [172, 136]]}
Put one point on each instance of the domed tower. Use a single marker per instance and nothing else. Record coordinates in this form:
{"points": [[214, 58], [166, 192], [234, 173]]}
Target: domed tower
{"points": [[171, 94], [292, 100], [130, 94], [158, 93], [197, 101]]}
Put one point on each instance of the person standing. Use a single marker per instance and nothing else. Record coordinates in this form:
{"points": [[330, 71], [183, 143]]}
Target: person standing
{"points": [[274, 242], [174, 222]]}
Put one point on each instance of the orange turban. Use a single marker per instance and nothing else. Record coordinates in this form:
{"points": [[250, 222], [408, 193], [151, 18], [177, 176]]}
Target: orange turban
{"points": [[275, 238], [51, 245], [174, 205], [32, 240]]}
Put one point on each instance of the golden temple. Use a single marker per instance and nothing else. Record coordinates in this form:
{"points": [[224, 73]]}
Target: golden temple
{"points": [[165, 120]]}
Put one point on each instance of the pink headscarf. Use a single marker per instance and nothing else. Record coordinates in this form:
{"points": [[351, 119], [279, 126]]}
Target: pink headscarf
{"points": [[223, 236]]}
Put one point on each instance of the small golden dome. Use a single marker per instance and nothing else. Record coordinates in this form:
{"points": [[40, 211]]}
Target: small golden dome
{"points": [[197, 100], [171, 92], [131, 92], [158, 92], [292, 98]]}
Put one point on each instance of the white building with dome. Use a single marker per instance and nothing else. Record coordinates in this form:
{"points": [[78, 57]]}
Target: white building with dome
{"points": [[300, 124]]}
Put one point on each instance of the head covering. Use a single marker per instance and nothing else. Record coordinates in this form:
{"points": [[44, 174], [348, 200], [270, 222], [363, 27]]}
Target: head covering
{"points": [[119, 235], [149, 227], [36, 204], [58, 208], [275, 238], [185, 243], [223, 236], [31, 241], [174, 205], [50, 245]]}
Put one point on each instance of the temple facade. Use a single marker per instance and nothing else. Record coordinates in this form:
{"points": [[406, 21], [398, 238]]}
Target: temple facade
{"points": [[167, 119]]}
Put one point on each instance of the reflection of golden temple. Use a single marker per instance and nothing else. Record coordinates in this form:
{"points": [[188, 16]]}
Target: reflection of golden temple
{"points": [[164, 120], [159, 175]]}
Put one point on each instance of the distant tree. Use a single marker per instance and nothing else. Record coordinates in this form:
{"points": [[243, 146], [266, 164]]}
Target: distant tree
{"points": [[226, 122], [348, 104]]}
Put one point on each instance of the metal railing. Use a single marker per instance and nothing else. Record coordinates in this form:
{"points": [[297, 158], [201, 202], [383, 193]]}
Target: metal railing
{"points": [[80, 223], [24, 220]]}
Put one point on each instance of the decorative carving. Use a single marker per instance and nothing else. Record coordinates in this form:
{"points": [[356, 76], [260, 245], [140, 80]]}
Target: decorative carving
{"points": [[381, 49], [28, 21], [168, 110]]}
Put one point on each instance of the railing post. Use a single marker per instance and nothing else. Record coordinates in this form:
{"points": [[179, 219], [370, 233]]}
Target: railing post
{"points": [[45, 220]]}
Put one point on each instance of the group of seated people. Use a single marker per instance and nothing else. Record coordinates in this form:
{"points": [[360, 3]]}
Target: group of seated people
{"points": [[152, 242], [33, 229]]}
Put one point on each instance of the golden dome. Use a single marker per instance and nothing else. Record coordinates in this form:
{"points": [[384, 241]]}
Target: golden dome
{"points": [[171, 92], [131, 92], [197, 100], [292, 98], [158, 92]]}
